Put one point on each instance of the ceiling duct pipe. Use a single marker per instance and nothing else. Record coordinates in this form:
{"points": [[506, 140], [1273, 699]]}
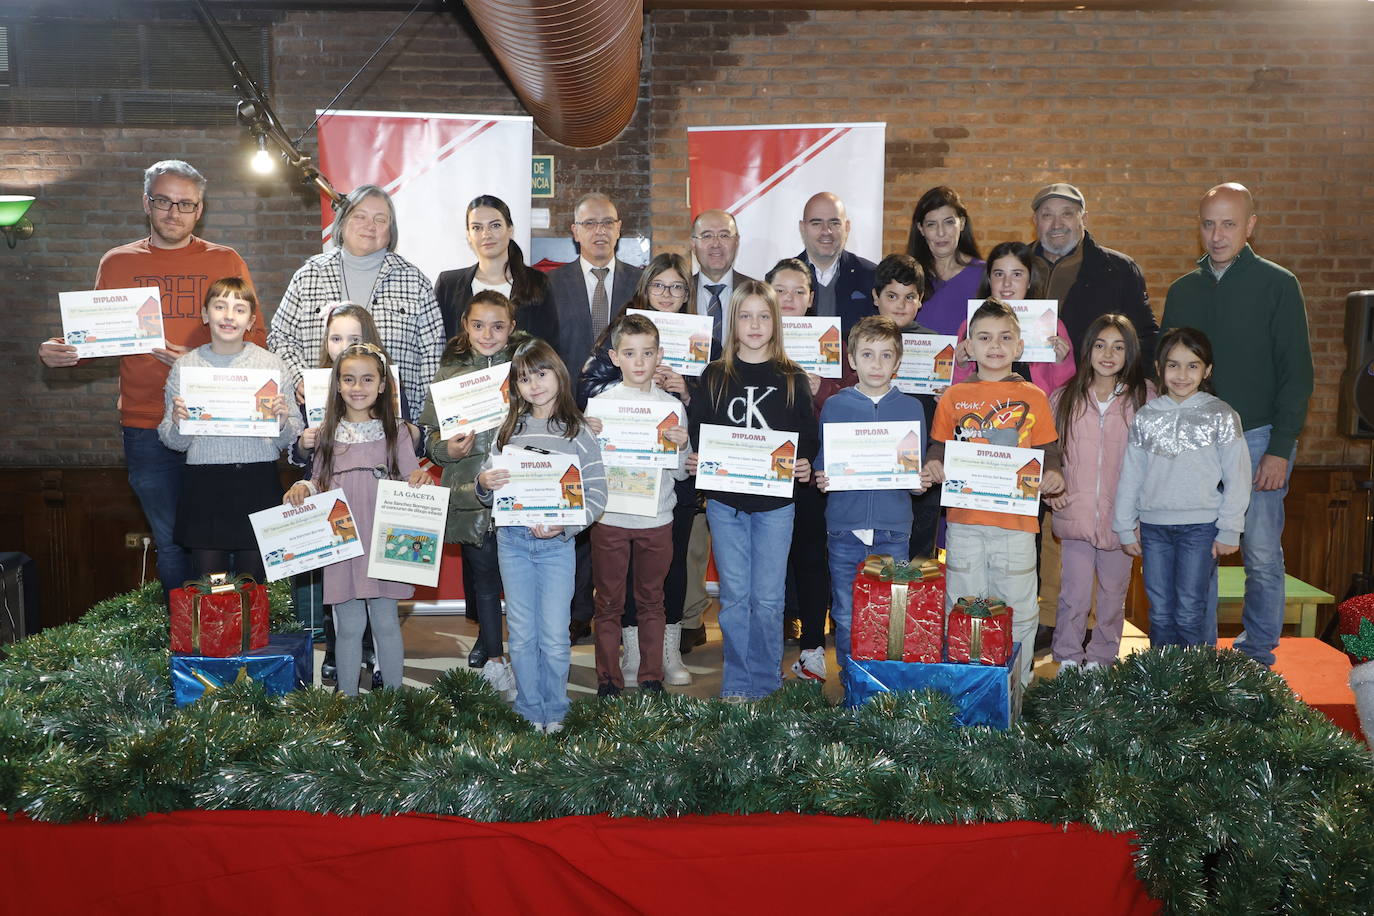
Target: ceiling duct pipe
{"points": [[573, 63]]}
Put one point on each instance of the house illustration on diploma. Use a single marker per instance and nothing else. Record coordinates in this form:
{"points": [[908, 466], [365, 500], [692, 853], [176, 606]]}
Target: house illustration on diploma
{"points": [[264, 398], [150, 318], [909, 452], [1028, 478], [784, 460], [699, 347], [571, 483], [830, 345], [944, 363], [341, 522], [505, 390], [664, 425]]}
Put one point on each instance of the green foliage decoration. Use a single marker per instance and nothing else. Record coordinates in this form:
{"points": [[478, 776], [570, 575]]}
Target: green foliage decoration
{"points": [[1242, 799]]}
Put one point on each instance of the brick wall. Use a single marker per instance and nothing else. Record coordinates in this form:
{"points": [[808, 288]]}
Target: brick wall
{"points": [[1143, 111]]}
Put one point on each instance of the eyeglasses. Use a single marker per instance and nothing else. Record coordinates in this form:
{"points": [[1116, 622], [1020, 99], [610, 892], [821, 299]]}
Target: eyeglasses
{"points": [[709, 237], [183, 206], [591, 225], [359, 217], [677, 289]]}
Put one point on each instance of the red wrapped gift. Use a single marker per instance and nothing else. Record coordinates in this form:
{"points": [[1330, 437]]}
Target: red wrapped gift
{"points": [[218, 616], [898, 611], [1356, 628], [980, 632]]}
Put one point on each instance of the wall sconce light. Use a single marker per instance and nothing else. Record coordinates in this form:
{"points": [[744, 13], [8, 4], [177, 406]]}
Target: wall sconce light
{"points": [[13, 223]]}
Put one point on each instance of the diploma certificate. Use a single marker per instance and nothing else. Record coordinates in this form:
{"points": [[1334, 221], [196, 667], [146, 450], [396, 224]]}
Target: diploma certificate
{"points": [[685, 339], [993, 478], [813, 344], [318, 532], [736, 460], [473, 402], [229, 402], [1039, 322], [927, 363], [408, 533], [632, 431], [112, 322], [633, 491], [873, 456], [542, 490]]}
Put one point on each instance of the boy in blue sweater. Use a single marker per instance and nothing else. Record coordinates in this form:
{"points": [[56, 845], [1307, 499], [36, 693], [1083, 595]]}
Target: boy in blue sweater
{"points": [[861, 522]]}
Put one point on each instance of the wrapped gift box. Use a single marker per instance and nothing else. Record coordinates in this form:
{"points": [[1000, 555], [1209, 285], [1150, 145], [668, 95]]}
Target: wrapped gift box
{"points": [[280, 666], [980, 632], [984, 694], [219, 616], [899, 610]]}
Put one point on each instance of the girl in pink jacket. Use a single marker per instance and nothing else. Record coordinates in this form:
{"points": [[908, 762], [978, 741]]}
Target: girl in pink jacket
{"points": [[1093, 414]]}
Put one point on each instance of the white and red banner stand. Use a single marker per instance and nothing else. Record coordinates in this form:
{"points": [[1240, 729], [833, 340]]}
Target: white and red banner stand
{"points": [[432, 165], [764, 176]]}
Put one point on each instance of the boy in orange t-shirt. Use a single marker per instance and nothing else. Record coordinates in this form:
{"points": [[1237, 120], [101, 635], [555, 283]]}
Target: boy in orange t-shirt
{"points": [[993, 553]]}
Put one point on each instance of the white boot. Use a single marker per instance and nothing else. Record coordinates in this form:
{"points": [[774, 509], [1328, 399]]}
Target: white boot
{"points": [[629, 661], [674, 672]]}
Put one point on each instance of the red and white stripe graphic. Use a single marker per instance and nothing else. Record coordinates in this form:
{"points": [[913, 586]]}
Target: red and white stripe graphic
{"points": [[764, 175]]}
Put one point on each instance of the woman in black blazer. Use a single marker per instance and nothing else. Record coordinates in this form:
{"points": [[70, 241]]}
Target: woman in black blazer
{"points": [[500, 266]]}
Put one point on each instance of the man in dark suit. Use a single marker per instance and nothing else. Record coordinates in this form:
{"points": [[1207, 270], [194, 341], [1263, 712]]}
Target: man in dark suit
{"points": [[590, 290], [588, 293], [842, 281], [715, 243]]}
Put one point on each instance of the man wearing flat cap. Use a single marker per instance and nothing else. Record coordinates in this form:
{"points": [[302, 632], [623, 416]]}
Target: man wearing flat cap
{"points": [[1087, 279]]}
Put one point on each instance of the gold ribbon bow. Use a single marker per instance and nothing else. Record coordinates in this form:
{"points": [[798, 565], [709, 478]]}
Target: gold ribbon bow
{"points": [[901, 574], [978, 611], [220, 584]]}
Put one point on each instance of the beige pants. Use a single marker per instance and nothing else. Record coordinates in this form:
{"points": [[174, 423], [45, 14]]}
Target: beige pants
{"points": [[695, 602]]}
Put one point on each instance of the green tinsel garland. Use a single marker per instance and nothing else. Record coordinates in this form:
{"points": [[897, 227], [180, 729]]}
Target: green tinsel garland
{"points": [[1244, 799]]}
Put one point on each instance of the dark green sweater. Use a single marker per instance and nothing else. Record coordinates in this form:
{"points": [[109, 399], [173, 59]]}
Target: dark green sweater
{"points": [[1257, 322]]}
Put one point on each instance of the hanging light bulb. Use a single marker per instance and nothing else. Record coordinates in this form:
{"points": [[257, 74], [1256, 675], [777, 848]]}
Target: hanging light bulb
{"points": [[262, 159]]}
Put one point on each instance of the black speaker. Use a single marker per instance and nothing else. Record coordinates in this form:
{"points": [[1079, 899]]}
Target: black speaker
{"points": [[18, 597], [1357, 382]]}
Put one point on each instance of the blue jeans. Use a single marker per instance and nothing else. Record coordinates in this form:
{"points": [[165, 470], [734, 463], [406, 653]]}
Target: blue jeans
{"points": [[155, 476], [751, 556], [846, 553], [1261, 547], [538, 578], [1179, 572]]}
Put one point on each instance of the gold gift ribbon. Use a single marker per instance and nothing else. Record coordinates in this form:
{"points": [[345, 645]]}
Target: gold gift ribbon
{"points": [[896, 621], [219, 584], [975, 639]]}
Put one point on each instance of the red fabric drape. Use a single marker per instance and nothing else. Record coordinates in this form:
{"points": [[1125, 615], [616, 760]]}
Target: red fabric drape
{"points": [[262, 862]]}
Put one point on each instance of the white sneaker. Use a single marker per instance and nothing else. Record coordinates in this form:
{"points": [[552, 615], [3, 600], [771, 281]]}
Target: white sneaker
{"points": [[674, 671], [552, 728], [811, 665], [1067, 664], [629, 660], [1091, 666]]}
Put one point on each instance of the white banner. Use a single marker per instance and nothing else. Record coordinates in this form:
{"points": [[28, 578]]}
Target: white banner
{"points": [[764, 176], [432, 165]]}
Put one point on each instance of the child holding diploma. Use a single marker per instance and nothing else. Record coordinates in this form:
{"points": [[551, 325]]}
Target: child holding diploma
{"points": [[227, 477], [993, 553], [754, 386], [641, 545], [861, 522], [537, 563], [486, 337], [361, 439], [1093, 414], [1184, 489]]}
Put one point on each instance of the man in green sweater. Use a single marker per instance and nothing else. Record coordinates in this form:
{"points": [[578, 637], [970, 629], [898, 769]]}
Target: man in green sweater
{"points": [[1253, 312]]}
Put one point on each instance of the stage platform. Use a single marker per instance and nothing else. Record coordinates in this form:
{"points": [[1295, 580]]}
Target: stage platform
{"points": [[1319, 675]]}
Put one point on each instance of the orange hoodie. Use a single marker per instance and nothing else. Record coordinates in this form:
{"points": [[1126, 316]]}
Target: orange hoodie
{"points": [[183, 274]]}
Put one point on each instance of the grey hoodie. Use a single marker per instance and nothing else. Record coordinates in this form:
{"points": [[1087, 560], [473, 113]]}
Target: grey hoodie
{"points": [[1176, 457]]}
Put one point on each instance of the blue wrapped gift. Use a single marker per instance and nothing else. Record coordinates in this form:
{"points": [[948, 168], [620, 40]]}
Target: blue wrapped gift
{"points": [[281, 666], [984, 694]]}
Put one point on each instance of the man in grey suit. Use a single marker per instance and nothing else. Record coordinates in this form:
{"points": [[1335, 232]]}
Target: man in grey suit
{"points": [[590, 290], [715, 243]]}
